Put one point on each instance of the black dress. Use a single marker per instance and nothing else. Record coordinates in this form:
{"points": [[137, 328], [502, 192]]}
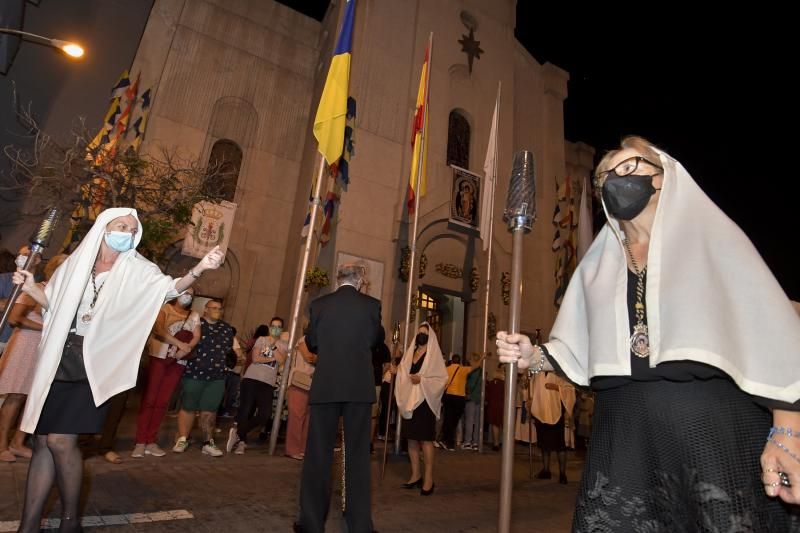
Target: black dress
{"points": [[422, 425], [69, 408], [676, 448]]}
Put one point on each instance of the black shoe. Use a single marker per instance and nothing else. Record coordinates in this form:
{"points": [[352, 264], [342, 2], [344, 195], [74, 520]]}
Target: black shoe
{"points": [[495, 447], [413, 484], [562, 478], [424, 492], [544, 474]]}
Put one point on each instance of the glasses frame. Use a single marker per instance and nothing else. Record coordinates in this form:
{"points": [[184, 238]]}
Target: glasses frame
{"points": [[601, 177]]}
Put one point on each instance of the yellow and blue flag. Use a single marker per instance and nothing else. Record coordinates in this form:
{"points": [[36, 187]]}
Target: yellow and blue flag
{"points": [[331, 118]]}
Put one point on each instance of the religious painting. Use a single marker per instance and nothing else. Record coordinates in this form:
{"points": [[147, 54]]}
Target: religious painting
{"points": [[374, 275], [211, 226], [465, 198]]}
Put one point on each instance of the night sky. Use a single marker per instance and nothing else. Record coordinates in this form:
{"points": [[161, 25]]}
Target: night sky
{"points": [[712, 89]]}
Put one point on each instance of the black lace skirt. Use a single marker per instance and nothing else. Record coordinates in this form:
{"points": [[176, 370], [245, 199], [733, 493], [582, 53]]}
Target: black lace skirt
{"points": [[668, 457]]}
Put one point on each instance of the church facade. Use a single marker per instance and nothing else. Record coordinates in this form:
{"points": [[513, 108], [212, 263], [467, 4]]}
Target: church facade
{"points": [[243, 78]]}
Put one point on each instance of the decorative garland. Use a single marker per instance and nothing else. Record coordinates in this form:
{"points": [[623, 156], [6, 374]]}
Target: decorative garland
{"points": [[491, 330], [505, 284], [474, 279], [405, 264], [449, 270]]}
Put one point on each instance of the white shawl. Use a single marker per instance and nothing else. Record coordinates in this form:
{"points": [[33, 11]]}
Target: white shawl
{"points": [[434, 379], [126, 309], [710, 298]]}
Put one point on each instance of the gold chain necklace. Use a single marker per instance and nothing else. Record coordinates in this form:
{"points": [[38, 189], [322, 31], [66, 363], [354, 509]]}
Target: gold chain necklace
{"points": [[87, 317], [640, 340]]}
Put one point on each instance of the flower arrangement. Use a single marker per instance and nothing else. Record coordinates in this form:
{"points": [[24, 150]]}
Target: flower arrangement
{"points": [[316, 276]]}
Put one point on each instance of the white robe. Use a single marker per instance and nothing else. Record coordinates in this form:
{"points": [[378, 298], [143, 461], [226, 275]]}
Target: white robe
{"points": [[126, 309], [709, 298], [433, 379]]}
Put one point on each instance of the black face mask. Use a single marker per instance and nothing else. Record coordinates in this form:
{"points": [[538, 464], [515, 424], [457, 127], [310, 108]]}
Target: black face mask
{"points": [[627, 196], [422, 339]]}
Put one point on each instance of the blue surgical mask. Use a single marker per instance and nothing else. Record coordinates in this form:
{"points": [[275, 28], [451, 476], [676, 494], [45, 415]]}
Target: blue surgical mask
{"points": [[119, 241]]}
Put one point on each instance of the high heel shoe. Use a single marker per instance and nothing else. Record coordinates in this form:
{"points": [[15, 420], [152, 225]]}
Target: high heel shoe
{"points": [[413, 484], [428, 492]]}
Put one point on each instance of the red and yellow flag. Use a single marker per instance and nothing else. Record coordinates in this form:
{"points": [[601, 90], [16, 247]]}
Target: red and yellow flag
{"points": [[419, 136]]}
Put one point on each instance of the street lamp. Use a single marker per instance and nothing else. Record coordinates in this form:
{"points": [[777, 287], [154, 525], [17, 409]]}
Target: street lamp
{"points": [[69, 48]]}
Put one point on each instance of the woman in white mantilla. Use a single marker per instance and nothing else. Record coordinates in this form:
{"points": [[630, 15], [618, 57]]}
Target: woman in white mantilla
{"points": [[421, 380], [691, 346], [98, 310]]}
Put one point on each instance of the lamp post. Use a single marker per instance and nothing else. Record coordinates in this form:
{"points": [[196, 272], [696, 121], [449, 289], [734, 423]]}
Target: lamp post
{"points": [[71, 49]]}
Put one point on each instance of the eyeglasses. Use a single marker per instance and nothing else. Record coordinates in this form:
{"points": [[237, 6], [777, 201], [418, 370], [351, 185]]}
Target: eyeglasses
{"points": [[626, 167]]}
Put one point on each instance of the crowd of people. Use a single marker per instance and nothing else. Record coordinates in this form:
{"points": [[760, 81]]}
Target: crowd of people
{"points": [[689, 382]]}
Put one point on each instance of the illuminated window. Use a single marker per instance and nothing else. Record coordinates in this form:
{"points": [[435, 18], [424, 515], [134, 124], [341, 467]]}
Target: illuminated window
{"points": [[426, 301]]}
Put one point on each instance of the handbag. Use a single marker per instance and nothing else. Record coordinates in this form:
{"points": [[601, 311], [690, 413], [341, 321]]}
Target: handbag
{"points": [[301, 380], [71, 368], [183, 335]]}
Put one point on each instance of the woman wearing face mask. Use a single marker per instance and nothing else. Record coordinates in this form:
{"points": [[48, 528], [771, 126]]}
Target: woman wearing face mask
{"points": [[18, 362], [165, 369], [98, 309], [421, 379], [258, 385], [689, 343]]}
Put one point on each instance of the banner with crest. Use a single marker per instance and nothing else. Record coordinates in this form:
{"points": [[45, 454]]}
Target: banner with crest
{"points": [[211, 226]]}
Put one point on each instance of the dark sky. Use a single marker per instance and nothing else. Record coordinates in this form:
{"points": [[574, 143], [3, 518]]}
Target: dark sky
{"points": [[712, 89]]}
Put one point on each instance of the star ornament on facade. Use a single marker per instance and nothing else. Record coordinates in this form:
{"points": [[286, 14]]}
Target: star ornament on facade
{"points": [[471, 47]]}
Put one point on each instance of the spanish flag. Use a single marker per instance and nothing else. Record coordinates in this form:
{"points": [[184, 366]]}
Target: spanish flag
{"points": [[329, 124], [419, 136]]}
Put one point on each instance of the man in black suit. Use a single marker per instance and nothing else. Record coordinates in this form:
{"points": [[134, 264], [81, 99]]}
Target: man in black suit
{"points": [[344, 327]]}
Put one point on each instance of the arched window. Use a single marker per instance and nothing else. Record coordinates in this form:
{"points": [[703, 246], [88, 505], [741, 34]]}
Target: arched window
{"points": [[458, 133], [224, 165]]}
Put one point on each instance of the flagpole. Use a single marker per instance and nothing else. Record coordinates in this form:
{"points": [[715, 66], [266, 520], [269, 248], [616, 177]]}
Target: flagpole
{"points": [[298, 298], [488, 277], [412, 272]]}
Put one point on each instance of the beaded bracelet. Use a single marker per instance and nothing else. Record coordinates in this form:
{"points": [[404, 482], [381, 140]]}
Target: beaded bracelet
{"points": [[539, 366], [780, 445], [783, 431]]}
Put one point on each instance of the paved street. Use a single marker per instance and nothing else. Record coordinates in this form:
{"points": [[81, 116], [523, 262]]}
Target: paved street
{"points": [[257, 492]]}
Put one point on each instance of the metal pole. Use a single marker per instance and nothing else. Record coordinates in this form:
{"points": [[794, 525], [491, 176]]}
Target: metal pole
{"points": [[509, 409], [395, 340], [412, 273], [40, 39], [39, 241], [488, 283], [35, 250], [298, 298]]}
